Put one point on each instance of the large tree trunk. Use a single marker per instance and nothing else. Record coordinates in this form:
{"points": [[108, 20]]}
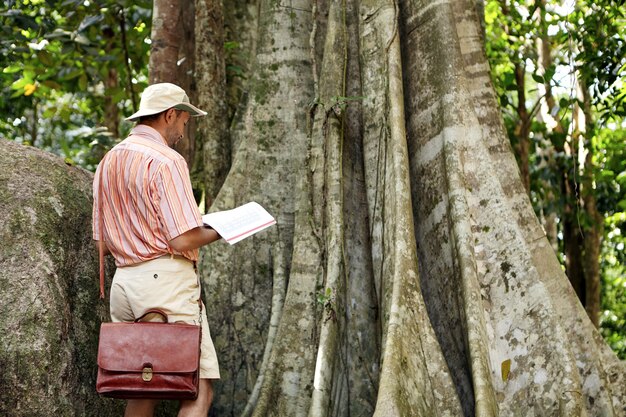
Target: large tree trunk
{"points": [[522, 129], [172, 57], [407, 274], [111, 83], [212, 136], [594, 224], [246, 284], [49, 308]]}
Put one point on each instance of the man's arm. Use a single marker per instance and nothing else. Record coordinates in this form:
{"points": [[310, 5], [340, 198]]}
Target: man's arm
{"points": [[194, 238]]}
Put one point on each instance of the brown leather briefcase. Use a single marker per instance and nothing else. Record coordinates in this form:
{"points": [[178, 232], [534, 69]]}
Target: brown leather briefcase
{"points": [[149, 360]]}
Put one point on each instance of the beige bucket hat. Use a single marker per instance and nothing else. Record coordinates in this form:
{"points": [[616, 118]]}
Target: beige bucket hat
{"points": [[160, 97]]}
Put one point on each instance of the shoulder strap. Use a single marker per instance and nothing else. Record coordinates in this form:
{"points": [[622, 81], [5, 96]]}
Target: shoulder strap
{"points": [[101, 229]]}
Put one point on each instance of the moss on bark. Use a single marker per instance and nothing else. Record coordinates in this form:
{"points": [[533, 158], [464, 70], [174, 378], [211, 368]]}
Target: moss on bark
{"points": [[49, 308]]}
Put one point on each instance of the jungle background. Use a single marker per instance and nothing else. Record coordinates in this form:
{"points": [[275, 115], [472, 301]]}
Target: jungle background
{"points": [[72, 70]]}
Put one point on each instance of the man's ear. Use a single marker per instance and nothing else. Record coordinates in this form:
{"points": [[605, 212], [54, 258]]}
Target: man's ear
{"points": [[170, 115]]}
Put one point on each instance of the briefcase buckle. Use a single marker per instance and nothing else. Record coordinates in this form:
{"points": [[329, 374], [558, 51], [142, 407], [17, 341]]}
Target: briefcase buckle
{"points": [[146, 374]]}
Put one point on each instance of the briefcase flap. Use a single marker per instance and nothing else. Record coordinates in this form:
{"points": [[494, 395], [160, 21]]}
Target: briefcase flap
{"points": [[165, 348]]}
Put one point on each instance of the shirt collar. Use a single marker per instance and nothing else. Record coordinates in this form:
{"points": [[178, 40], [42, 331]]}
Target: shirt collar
{"points": [[148, 132]]}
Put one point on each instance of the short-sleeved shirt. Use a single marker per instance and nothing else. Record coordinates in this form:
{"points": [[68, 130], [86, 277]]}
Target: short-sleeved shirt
{"points": [[147, 199]]}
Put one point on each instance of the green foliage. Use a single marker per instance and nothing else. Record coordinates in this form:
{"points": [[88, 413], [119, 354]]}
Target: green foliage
{"points": [[326, 299], [613, 264], [611, 186], [586, 42], [598, 27], [63, 63]]}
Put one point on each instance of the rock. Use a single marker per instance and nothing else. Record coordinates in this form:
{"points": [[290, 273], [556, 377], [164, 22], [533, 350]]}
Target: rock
{"points": [[50, 313]]}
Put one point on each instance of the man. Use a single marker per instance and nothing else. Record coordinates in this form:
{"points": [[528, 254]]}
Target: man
{"points": [[152, 227]]}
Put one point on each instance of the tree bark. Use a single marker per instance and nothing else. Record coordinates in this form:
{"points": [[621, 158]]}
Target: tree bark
{"points": [[407, 274], [172, 56], [111, 112], [167, 37], [212, 133], [111, 115], [522, 129], [594, 225], [262, 344]]}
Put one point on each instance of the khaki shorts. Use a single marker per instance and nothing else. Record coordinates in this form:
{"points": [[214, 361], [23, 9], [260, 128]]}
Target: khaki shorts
{"points": [[170, 285]]}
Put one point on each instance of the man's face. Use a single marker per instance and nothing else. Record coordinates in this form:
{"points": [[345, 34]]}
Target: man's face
{"points": [[176, 123]]}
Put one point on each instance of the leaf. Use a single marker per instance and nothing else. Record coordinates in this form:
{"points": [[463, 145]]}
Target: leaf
{"points": [[505, 368], [229, 45], [69, 73], [607, 173], [21, 83], [52, 84], [82, 82], [67, 47], [12, 69], [538, 78], [91, 50], [90, 20], [45, 58], [80, 38], [70, 2], [58, 33], [564, 102], [549, 74], [49, 112]]}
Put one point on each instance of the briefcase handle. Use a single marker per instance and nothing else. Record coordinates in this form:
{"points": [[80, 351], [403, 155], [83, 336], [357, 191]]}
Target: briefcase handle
{"points": [[155, 311], [162, 313]]}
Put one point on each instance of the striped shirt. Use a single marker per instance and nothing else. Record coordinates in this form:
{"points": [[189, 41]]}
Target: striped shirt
{"points": [[147, 198]]}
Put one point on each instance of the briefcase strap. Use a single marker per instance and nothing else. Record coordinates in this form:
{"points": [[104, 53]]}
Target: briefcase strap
{"points": [[100, 227]]}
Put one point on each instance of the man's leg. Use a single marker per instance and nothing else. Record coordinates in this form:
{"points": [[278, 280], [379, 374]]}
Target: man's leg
{"points": [[200, 406], [140, 408]]}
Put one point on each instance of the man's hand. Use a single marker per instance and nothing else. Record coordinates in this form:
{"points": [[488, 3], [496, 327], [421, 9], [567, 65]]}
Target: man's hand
{"points": [[194, 238]]}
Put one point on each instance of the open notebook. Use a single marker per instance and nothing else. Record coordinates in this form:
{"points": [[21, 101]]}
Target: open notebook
{"points": [[239, 223]]}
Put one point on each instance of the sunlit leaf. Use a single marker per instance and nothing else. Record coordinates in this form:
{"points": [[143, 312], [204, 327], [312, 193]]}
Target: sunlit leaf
{"points": [[505, 369], [58, 33], [21, 83], [12, 69], [80, 38]]}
